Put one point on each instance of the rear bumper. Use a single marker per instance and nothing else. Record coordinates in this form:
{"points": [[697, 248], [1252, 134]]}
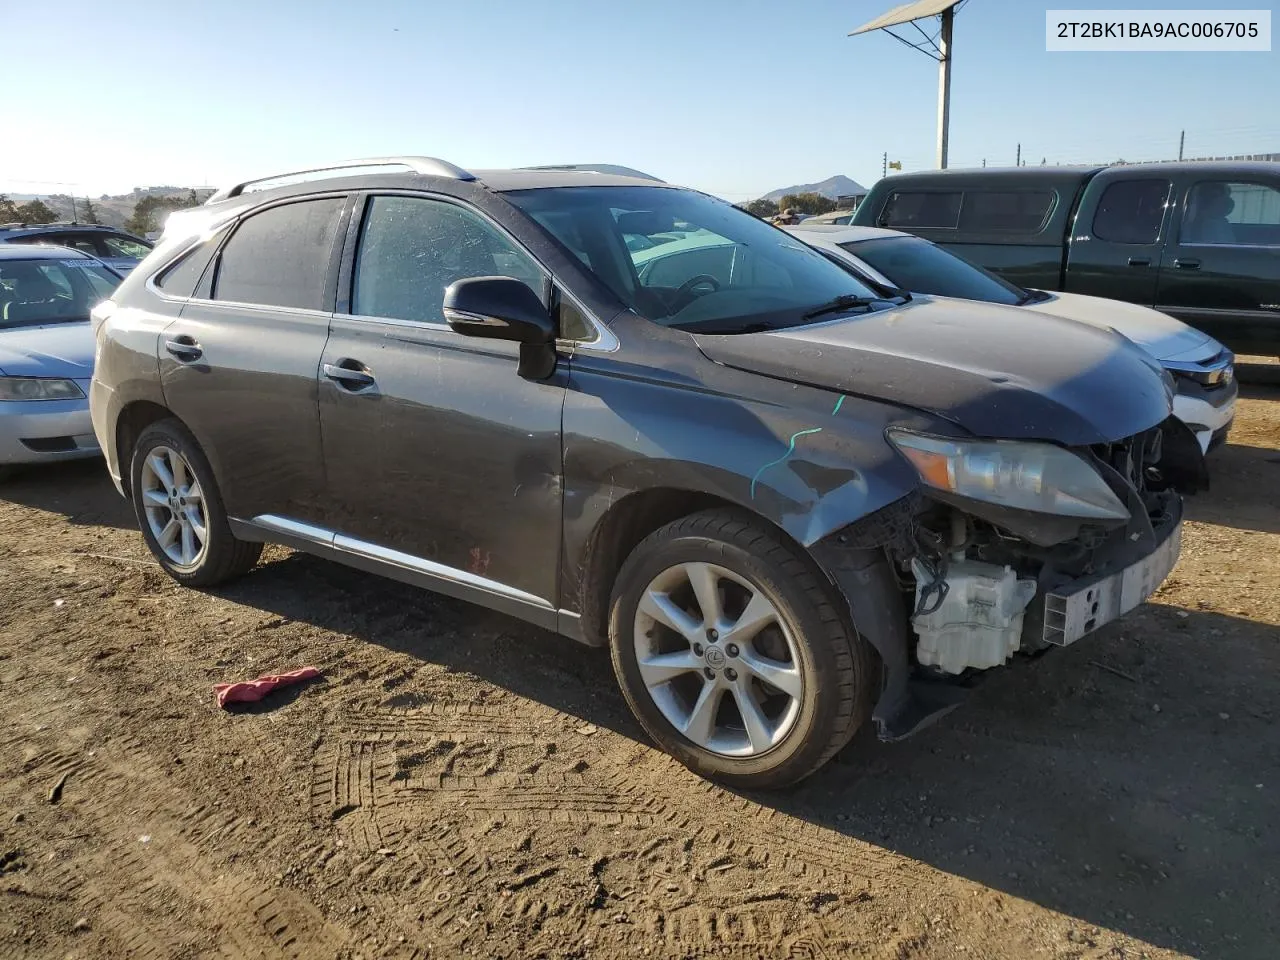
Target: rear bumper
{"points": [[103, 413], [46, 431]]}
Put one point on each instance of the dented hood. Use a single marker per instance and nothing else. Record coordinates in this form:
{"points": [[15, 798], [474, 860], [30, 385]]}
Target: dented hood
{"points": [[999, 373]]}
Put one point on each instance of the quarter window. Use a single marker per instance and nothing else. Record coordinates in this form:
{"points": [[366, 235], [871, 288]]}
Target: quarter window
{"points": [[412, 248], [181, 279], [927, 209], [124, 247], [81, 243], [1006, 211], [1234, 213], [1131, 211], [280, 257]]}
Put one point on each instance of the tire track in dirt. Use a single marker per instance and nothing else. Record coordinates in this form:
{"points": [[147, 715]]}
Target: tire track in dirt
{"points": [[683, 867], [136, 886]]}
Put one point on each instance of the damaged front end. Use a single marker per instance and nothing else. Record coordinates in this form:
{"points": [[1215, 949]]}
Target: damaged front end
{"points": [[1007, 548]]}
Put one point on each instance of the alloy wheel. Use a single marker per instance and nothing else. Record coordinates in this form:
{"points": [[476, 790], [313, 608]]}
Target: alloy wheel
{"points": [[174, 507], [718, 660]]}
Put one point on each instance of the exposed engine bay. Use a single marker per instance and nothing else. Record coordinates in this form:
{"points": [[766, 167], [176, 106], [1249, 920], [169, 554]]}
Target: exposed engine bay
{"points": [[982, 582], [986, 587]]}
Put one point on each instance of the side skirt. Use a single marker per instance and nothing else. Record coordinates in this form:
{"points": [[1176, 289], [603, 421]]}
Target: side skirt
{"points": [[406, 568]]}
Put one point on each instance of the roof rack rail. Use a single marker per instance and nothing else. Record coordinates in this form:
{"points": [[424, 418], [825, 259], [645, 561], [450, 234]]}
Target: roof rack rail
{"points": [[607, 168], [427, 166]]}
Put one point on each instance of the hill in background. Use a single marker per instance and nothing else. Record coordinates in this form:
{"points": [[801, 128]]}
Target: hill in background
{"points": [[832, 187], [110, 210]]}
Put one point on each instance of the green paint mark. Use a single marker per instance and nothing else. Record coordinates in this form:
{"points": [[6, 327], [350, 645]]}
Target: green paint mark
{"points": [[791, 448], [839, 404]]}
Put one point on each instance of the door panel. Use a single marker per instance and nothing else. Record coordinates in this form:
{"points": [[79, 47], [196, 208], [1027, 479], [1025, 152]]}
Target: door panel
{"points": [[240, 368], [447, 455], [249, 396], [1222, 272], [1119, 239], [440, 451]]}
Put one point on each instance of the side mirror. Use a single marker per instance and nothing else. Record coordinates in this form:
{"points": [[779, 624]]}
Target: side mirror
{"points": [[500, 308], [497, 308]]}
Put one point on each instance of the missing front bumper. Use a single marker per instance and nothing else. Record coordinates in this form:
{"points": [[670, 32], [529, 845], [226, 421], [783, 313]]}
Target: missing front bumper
{"points": [[1082, 606]]}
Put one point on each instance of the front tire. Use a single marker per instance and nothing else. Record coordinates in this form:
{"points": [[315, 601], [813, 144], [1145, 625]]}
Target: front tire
{"points": [[180, 512], [731, 652]]}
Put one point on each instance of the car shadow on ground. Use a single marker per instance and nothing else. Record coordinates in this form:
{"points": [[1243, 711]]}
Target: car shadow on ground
{"points": [[79, 490], [1115, 781]]}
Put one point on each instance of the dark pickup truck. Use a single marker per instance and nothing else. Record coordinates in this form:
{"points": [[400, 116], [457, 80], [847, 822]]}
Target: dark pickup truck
{"points": [[1197, 240]]}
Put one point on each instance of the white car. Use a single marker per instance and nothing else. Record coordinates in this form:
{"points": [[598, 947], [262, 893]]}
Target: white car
{"points": [[1202, 368]]}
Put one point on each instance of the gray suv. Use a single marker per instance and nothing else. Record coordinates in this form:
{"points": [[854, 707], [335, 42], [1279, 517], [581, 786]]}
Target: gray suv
{"points": [[628, 412]]}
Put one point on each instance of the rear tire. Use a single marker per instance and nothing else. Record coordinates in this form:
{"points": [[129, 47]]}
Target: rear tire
{"points": [[179, 509], [697, 683]]}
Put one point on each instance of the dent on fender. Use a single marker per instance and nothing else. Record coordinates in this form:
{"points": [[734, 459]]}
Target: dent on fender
{"points": [[810, 468]]}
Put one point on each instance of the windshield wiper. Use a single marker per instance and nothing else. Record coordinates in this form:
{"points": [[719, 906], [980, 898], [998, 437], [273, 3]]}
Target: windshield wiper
{"points": [[844, 302], [1032, 296]]}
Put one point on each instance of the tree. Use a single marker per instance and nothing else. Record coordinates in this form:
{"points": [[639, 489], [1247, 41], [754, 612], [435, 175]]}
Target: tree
{"points": [[810, 203], [150, 212], [761, 208], [87, 213], [34, 211], [8, 212]]}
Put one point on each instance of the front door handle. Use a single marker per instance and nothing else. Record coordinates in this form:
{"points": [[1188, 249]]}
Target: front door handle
{"points": [[184, 349], [1185, 264], [348, 373], [1139, 261]]}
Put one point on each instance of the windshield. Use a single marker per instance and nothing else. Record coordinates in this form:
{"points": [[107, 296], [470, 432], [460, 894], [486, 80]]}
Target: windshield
{"points": [[921, 267], [51, 291], [686, 260]]}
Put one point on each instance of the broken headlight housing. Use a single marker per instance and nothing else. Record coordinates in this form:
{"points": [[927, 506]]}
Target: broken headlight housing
{"points": [[1020, 475]]}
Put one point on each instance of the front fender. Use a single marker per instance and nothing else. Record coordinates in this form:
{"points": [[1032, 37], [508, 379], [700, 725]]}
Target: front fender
{"points": [[807, 460]]}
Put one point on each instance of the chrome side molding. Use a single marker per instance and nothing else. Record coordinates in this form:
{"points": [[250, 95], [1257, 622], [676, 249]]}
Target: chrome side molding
{"points": [[415, 570]]}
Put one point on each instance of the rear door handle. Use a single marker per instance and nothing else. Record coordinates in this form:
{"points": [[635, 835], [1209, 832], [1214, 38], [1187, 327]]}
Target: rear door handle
{"points": [[1183, 264], [184, 348], [351, 377], [1139, 261]]}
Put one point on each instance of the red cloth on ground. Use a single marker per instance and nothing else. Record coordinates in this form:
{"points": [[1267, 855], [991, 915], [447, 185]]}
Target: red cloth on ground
{"points": [[250, 691]]}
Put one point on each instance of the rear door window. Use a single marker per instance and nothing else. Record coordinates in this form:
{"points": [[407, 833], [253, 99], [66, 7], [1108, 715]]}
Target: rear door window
{"points": [[931, 209], [1131, 211], [280, 257], [1006, 211], [1232, 213]]}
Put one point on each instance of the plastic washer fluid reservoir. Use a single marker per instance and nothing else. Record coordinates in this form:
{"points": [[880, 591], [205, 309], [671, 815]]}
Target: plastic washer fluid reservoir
{"points": [[979, 622]]}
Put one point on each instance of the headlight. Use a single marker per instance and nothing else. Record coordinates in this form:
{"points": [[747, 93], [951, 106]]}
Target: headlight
{"points": [[38, 388], [1022, 475]]}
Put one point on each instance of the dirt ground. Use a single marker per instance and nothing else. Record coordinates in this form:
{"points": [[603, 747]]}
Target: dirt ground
{"points": [[460, 784]]}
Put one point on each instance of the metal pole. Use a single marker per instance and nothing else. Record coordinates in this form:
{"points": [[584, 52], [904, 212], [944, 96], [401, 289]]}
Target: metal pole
{"points": [[1182, 142], [1018, 161], [885, 173], [944, 84]]}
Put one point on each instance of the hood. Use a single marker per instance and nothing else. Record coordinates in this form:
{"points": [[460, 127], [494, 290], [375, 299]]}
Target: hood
{"points": [[998, 372], [1158, 333], [53, 350]]}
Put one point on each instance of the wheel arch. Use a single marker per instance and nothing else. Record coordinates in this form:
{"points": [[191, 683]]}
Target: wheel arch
{"points": [[134, 418], [617, 533]]}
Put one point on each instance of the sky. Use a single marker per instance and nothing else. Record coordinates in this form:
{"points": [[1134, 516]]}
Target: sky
{"points": [[735, 97]]}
